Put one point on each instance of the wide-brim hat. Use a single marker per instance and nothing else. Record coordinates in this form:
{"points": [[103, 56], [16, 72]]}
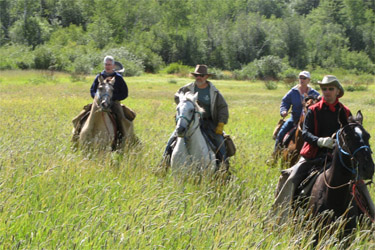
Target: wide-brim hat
{"points": [[201, 69], [332, 80]]}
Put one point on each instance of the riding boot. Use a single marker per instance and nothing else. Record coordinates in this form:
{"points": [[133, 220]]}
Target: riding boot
{"points": [[371, 207]]}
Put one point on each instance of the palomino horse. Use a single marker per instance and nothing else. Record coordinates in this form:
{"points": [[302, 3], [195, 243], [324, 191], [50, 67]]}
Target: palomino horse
{"points": [[352, 163], [191, 151], [100, 128], [290, 151]]}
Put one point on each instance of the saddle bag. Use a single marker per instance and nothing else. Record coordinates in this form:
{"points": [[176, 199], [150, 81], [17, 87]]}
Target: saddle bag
{"points": [[229, 144], [129, 113], [277, 129]]}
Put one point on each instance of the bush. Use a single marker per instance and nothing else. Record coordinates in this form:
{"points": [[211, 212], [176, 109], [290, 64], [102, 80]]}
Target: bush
{"points": [[44, 57], [220, 74], [270, 85], [356, 87], [290, 75], [248, 72], [16, 57], [178, 68], [266, 68], [269, 67]]}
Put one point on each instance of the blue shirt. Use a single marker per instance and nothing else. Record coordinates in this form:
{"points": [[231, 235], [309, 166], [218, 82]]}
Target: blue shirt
{"points": [[120, 89], [204, 100], [294, 98]]}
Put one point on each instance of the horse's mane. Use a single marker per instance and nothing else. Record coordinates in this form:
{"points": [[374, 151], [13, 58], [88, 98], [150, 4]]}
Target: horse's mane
{"points": [[190, 97]]}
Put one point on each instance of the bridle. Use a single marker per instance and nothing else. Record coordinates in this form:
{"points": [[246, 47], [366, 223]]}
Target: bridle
{"points": [[189, 121], [100, 99], [353, 168], [354, 164]]}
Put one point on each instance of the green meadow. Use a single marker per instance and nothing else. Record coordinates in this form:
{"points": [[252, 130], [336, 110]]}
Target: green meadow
{"points": [[55, 197]]}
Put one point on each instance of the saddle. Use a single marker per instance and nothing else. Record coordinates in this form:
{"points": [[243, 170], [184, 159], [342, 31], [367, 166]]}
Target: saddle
{"points": [[80, 119], [289, 136]]}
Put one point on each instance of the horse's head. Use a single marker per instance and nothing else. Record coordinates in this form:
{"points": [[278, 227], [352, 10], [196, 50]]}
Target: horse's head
{"points": [[186, 112], [353, 141], [104, 93]]}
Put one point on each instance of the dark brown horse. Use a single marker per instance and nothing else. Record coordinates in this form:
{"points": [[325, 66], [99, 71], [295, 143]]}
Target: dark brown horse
{"points": [[351, 163]]}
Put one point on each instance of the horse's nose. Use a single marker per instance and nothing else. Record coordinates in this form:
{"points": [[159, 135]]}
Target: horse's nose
{"points": [[104, 105], [180, 130]]}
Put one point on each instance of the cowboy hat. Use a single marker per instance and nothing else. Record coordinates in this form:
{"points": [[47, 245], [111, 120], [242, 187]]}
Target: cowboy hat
{"points": [[332, 80], [201, 69]]}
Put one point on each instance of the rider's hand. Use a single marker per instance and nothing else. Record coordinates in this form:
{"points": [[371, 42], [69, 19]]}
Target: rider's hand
{"points": [[284, 113], [219, 128], [326, 142]]}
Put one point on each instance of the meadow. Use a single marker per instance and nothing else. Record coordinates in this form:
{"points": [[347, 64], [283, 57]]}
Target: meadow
{"points": [[52, 196]]}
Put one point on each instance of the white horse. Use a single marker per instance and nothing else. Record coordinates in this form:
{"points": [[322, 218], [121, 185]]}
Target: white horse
{"points": [[99, 130], [191, 151]]}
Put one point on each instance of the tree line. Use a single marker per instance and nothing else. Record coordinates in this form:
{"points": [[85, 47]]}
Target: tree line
{"points": [[146, 35]]}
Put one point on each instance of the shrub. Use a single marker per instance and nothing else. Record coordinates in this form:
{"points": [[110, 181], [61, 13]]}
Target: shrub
{"points": [[44, 57], [290, 75], [16, 56], [178, 68], [269, 67], [270, 85], [266, 68]]}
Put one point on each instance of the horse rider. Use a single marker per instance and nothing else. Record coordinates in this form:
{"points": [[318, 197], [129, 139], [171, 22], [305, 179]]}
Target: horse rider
{"points": [[295, 98], [120, 92], [320, 123], [215, 114]]}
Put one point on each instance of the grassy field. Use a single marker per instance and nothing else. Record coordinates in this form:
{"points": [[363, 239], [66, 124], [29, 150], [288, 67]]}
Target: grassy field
{"points": [[54, 197]]}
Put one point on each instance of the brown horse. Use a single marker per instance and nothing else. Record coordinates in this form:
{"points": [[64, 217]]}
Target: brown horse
{"points": [[290, 149], [352, 163]]}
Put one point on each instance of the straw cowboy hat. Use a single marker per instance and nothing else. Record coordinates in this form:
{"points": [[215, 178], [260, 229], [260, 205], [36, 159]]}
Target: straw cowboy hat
{"points": [[332, 80], [201, 69]]}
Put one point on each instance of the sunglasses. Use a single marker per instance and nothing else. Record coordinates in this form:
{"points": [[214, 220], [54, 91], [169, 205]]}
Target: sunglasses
{"points": [[200, 75], [325, 89], [303, 78]]}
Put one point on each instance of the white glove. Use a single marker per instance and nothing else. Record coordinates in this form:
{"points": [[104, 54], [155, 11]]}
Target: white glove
{"points": [[326, 142], [284, 113]]}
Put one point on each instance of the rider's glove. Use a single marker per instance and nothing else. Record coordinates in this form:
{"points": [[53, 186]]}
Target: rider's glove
{"points": [[219, 128], [326, 142], [284, 113]]}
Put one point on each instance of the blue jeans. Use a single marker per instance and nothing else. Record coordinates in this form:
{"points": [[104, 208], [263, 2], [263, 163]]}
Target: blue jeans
{"points": [[288, 125]]}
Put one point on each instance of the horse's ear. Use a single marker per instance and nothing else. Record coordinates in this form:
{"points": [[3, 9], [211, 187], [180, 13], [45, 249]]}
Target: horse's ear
{"points": [[342, 119], [112, 81], [181, 96], [100, 79], [195, 97], [359, 117]]}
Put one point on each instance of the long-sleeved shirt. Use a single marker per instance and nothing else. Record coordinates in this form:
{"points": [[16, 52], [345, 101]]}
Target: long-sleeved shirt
{"points": [[295, 99], [120, 89]]}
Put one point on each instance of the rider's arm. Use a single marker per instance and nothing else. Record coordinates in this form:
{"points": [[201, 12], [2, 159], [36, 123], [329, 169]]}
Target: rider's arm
{"points": [[94, 86], [286, 102], [222, 109], [308, 131]]}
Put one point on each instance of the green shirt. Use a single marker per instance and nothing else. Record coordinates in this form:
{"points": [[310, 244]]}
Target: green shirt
{"points": [[204, 100]]}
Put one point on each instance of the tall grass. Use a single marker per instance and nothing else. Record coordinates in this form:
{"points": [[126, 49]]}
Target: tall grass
{"points": [[52, 196]]}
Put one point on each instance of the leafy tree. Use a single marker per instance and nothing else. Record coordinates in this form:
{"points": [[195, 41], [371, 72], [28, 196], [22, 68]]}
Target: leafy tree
{"points": [[70, 12], [30, 31]]}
